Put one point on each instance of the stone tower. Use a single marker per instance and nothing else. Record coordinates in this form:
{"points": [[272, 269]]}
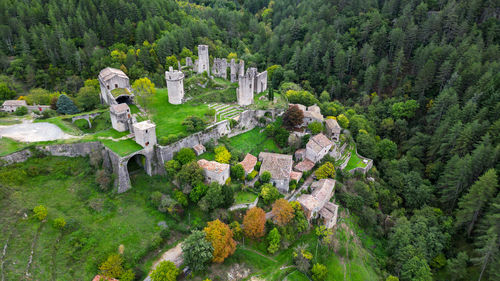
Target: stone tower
{"points": [[236, 69], [203, 59], [145, 134], [219, 68], [246, 87], [175, 85], [121, 120]]}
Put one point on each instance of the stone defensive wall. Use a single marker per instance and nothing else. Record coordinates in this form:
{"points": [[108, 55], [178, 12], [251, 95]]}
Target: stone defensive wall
{"points": [[154, 157], [364, 170]]}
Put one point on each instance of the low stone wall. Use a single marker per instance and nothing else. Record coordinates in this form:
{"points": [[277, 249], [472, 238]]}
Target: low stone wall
{"points": [[16, 157], [245, 206], [364, 170]]}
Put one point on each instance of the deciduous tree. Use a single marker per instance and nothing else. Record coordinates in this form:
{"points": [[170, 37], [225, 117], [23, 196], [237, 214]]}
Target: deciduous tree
{"points": [[197, 251], [221, 237], [325, 171], [274, 240], [293, 117], [165, 271], [254, 222], [283, 212], [222, 155]]}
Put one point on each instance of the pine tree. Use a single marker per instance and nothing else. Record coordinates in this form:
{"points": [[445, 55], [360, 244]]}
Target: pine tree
{"points": [[475, 201], [65, 105]]}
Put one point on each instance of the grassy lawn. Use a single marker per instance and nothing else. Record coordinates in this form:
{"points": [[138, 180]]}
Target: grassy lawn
{"points": [[243, 197], [168, 117], [355, 161], [8, 146], [210, 156], [254, 142], [264, 103], [97, 222]]}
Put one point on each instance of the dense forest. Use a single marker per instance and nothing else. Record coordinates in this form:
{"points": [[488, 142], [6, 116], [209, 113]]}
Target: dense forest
{"points": [[418, 83]]}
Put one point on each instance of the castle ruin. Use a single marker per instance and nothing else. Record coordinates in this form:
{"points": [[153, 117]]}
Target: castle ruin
{"points": [[249, 83], [115, 86], [219, 68], [203, 59], [236, 69], [175, 86]]}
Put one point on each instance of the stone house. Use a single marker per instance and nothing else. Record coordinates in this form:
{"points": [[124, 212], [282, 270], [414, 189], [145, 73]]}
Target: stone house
{"points": [[332, 129], [214, 171], [12, 105], [248, 163], [311, 113], [317, 203], [115, 86], [121, 119], [145, 134], [199, 149], [317, 147], [280, 167], [295, 176]]}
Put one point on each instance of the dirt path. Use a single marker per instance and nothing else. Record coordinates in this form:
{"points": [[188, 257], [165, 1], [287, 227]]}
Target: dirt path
{"points": [[258, 253], [174, 255], [33, 247]]}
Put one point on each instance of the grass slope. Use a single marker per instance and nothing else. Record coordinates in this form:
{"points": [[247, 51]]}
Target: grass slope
{"points": [[254, 142], [97, 223]]}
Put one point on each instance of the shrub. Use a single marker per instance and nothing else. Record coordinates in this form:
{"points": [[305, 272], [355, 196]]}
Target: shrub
{"points": [[269, 193], [185, 155], [238, 172], [222, 155], [59, 223], [257, 166], [103, 179], [265, 177], [20, 111], [319, 272], [326, 170], [165, 271], [251, 175], [40, 212], [65, 105], [112, 266], [315, 127]]}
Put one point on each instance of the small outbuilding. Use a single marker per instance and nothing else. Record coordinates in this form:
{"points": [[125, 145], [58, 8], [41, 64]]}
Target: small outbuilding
{"points": [[13, 105], [199, 149], [248, 163], [332, 129], [120, 117], [214, 171]]}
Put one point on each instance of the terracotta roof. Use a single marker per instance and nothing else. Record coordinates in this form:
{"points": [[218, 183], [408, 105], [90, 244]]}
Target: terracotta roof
{"points": [[295, 175], [14, 103], [119, 108], [332, 124], [199, 148], [279, 165], [318, 142], [213, 166], [249, 162], [309, 202], [304, 166], [109, 73]]}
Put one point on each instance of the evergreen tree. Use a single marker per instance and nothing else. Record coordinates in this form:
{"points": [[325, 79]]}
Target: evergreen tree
{"points": [[65, 105]]}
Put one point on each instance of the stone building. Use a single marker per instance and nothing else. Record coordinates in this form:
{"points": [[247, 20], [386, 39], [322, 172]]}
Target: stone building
{"points": [[317, 147], [317, 203], [246, 87], [199, 149], [248, 163], [219, 68], [175, 86], [261, 82], [236, 69], [115, 86], [189, 62], [12, 105], [332, 129], [121, 119], [214, 171], [203, 59], [313, 114], [280, 167], [145, 134]]}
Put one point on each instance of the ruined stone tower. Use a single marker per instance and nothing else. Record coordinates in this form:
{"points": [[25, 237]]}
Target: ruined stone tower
{"points": [[203, 59], [236, 69], [219, 68], [246, 87], [175, 85]]}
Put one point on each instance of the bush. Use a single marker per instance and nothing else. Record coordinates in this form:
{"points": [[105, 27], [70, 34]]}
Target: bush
{"points": [[315, 127], [265, 177], [185, 155], [251, 175], [20, 111], [40, 212], [65, 105], [156, 198], [257, 166], [103, 179], [59, 223]]}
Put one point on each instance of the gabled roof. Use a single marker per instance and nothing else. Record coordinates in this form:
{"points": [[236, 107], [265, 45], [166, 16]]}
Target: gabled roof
{"points": [[14, 103], [332, 124], [119, 108], [279, 165], [213, 166], [249, 162], [199, 148], [109, 73], [323, 189], [314, 108], [313, 115], [318, 142], [304, 166], [329, 211], [295, 175]]}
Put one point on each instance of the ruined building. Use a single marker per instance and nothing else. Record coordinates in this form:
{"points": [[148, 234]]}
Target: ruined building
{"points": [[249, 83], [236, 69], [203, 59], [145, 134], [115, 86], [175, 85], [219, 68], [121, 119]]}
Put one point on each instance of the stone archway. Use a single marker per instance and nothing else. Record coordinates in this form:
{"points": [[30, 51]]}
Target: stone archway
{"points": [[124, 99], [136, 164], [133, 163]]}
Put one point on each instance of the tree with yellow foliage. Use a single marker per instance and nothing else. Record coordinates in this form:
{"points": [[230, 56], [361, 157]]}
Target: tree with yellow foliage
{"points": [[221, 237], [283, 212], [222, 155], [254, 222], [144, 89]]}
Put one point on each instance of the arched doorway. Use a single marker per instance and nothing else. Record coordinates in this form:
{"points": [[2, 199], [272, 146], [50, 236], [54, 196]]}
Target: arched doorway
{"points": [[136, 164], [124, 99]]}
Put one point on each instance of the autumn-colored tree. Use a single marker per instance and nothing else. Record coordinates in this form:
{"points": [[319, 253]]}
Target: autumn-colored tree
{"points": [[326, 170], [254, 222], [222, 155], [293, 117], [283, 212], [221, 237]]}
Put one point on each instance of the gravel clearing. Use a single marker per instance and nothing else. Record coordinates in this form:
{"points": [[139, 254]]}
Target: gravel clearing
{"points": [[34, 132]]}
